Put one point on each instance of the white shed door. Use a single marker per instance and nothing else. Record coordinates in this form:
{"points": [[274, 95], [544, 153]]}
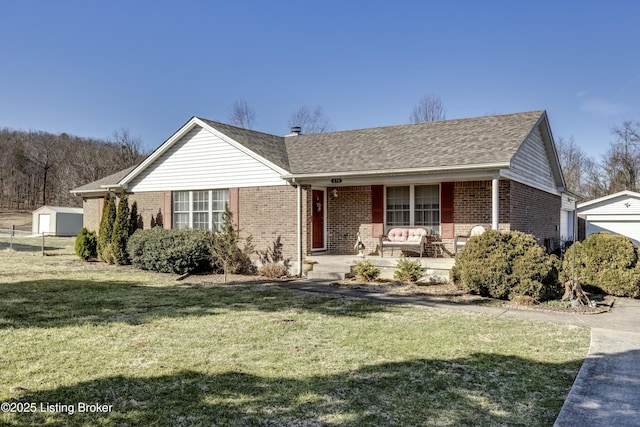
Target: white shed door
{"points": [[631, 229], [44, 221]]}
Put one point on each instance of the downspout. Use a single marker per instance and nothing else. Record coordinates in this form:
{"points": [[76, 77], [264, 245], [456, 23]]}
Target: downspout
{"points": [[299, 229], [495, 198]]}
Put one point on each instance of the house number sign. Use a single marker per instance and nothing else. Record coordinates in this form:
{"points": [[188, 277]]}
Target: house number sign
{"points": [[336, 180]]}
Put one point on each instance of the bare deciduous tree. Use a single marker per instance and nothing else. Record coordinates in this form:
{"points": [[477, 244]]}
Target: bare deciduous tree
{"points": [[242, 115], [310, 120], [428, 109], [621, 163], [129, 147]]}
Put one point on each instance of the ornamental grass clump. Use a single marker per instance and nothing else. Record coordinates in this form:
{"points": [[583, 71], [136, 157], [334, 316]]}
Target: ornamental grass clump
{"points": [[505, 266], [607, 262]]}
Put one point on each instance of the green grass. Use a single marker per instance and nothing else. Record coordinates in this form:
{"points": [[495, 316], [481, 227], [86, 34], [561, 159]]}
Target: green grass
{"points": [[172, 353]]}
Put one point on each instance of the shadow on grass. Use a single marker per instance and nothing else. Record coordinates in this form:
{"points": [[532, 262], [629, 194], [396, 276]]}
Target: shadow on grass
{"points": [[55, 303], [483, 389]]}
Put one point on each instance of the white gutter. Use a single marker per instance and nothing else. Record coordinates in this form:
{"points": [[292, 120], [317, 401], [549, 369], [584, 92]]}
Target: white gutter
{"points": [[293, 177]]}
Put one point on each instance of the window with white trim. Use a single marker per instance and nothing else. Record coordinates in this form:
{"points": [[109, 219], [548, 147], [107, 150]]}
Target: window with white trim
{"points": [[199, 209], [414, 205]]}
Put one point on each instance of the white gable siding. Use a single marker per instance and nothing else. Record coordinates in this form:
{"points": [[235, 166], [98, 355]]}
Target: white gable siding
{"points": [[201, 160], [623, 205], [531, 166]]}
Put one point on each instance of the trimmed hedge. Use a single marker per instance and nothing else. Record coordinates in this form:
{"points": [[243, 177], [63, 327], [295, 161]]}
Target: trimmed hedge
{"points": [[170, 251], [606, 261], [507, 265]]}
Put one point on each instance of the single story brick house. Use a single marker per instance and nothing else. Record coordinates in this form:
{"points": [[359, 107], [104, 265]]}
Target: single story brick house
{"points": [[319, 191]]}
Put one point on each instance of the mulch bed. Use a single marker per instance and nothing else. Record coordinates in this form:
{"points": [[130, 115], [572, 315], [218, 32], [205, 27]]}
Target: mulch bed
{"points": [[451, 293]]}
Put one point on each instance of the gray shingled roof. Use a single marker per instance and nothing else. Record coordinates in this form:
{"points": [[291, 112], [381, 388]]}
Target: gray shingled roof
{"points": [[463, 142], [270, 147], [111, 180], [448, 143]]}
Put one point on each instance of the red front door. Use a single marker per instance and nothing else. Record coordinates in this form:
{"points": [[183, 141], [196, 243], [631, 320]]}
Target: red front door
{"points": [[317, 223]]}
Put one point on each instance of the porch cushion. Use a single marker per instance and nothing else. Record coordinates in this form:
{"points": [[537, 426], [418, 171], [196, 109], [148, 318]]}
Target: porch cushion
{"points": [[404, 238]]}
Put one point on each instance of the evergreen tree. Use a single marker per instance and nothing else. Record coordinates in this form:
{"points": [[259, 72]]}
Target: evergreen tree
{"points": [[106, 228], [225, 248], [134, 218], [120, 234], [159, 222]]}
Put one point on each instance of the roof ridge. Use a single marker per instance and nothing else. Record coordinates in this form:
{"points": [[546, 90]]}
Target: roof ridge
{"points": [[532, 112]]}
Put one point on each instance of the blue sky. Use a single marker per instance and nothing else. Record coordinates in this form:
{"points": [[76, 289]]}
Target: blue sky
{"points": [[89, 68]]}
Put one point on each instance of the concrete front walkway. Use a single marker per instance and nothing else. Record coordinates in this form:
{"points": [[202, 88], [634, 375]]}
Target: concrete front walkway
{"points": [[606, 391]]}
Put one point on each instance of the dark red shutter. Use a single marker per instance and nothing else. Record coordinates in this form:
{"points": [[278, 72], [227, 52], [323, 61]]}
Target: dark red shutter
{"points": [[168, 211], [377, 210], [446, 210], [234, 205]]}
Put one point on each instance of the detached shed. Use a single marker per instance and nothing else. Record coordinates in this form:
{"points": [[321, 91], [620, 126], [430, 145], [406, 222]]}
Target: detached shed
{"points": [[617, 213], [57, 221]]}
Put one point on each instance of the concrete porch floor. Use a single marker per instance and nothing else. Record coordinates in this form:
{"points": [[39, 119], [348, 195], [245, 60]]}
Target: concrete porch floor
{"points": [[337, 267]]}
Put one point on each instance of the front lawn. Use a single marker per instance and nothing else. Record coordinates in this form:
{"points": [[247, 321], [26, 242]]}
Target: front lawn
{"points": [[153, 351]]}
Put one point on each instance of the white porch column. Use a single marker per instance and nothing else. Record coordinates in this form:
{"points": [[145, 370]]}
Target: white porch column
{"points": [[495, 198], [299, 230]]}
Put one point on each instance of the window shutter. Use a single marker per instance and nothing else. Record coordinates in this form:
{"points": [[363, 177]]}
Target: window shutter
{"points": [[234, 206], [167, 217], [377, 210], [446, 210]]}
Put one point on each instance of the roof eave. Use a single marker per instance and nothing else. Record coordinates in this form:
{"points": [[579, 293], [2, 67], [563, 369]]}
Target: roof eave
{"points": [[395, 172]]}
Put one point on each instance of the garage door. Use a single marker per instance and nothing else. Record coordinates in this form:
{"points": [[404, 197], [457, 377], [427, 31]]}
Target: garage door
{"points": [[631, 229]]}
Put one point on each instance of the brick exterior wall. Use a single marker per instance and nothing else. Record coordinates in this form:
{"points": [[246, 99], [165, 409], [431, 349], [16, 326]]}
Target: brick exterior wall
{"points": [[521, 208], [148, 205], [536, 212], [348, 214], [92, 212], [472, 205], [268, 212]]}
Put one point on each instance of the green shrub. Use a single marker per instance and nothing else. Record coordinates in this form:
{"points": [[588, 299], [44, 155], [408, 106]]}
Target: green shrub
{"points": [[86, 244], [170, 251], [273, 270], [105, 232], [120, 234], [507, 265], [606, 261], [366, 271], [226, 254], [408, 271]]}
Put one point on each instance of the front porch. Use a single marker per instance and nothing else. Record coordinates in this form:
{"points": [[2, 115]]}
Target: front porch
{"points": [[338, 267]]}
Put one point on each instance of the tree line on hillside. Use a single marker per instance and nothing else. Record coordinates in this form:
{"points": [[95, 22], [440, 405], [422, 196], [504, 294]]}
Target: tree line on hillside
{"points": [[39, 168]]}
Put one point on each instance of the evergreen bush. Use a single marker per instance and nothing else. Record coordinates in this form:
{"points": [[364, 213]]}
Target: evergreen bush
{"points": [[365, 271], [606, 261], [86, 244], [505, 266], [121, 229], [409, 271], [226, 254], [170, 251], [135, 220], [105, 232]]}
